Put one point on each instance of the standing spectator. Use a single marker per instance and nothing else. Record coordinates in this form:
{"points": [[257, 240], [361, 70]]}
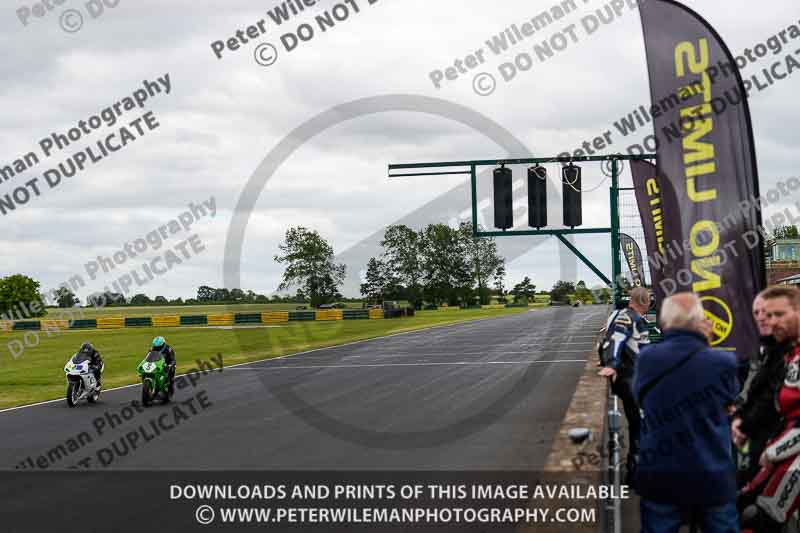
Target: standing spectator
{"points": [[757, 359], [685, 388], [777, 482], [756, 419], [626, 335]]}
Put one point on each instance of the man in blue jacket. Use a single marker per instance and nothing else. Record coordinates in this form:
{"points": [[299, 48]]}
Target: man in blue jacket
{"points": [[685, 389]]}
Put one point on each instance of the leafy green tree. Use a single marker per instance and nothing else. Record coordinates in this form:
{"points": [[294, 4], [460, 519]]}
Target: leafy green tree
{"points": [[446, 273], [66, 298], [176, 301], [222, 295], [482, 257], [786, 232], [141, 299], [582, 293], [21, 294], [374, 286], [403, 259], [561, 290], [160, 300], [310, 265], [499, 284], [205, 293], [524, 291]]}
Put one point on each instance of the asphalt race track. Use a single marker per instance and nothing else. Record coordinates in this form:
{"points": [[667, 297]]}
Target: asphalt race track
{"points": [[482, 395]]}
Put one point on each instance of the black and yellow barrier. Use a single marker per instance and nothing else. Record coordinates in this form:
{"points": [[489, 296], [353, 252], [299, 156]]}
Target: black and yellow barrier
{"points": [[355, 314], [166, 321], [55, 325], [274, 317], [247, 318], [174, 321], [27, 325], [194, 320], [222, 319], [327, 315], [139, 322], [113, 322], [89, 323], [302, 316]]}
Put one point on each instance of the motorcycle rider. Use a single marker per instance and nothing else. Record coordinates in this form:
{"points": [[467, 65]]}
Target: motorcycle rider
{"points": [[777, 480], [160, 345], [95, 361], [626, 334]]}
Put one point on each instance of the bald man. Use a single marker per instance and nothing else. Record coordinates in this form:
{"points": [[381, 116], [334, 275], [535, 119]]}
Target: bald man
{"points": [[684, 389]]}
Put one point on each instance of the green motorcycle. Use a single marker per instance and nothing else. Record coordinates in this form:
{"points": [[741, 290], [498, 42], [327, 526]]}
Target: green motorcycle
{"points": [[155, 379]]}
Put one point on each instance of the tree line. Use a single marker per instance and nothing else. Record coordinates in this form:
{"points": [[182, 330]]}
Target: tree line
{"points": [[437, 264]]}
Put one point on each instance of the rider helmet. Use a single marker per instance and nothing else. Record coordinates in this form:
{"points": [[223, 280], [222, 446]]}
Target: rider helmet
{"points": [[159, 343]]}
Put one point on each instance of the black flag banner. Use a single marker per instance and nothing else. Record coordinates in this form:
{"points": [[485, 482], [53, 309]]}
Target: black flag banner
{"points": [[706, 159], [649, 191], [633, 255]]}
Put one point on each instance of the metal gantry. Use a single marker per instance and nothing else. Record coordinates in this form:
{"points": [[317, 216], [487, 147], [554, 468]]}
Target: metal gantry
{"points": [[470, 168]]}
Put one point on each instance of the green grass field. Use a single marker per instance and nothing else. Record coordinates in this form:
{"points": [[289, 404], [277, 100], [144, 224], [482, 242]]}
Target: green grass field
{"points": [[37, 375], [153, 310]]}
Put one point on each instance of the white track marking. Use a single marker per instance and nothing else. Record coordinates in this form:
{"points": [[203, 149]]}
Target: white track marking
{"points": [[459, 363]]}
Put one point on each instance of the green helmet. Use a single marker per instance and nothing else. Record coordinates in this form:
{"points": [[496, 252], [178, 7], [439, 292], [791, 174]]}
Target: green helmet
{"points": [[159, 343]]}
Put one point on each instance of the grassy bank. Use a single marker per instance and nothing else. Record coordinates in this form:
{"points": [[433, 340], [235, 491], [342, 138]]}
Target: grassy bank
{"points": [[37, 375]]}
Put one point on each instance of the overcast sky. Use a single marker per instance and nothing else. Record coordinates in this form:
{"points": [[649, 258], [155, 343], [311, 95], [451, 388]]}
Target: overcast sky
{"points": [[225, 116]]}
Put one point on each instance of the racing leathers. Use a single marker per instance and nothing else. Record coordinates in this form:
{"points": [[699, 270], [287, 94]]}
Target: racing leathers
{"points": [[757, 406], [626, 334], [171, 361], [95, 362], [779, 480]]}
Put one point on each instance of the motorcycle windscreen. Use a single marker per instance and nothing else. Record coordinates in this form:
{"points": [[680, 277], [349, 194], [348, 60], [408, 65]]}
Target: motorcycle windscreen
{"points": [[79, 358], [154, 357]]}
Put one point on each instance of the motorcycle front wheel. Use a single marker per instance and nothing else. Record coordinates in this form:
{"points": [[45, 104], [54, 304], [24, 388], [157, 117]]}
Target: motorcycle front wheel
{"points": [[147, 394], [73, 393]]}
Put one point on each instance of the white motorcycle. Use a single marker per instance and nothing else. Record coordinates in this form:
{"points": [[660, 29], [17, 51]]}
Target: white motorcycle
{"points": [[81, 383]]}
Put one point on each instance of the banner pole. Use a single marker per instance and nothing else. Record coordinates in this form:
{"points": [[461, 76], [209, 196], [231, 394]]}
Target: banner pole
{"points": [[474, 188], [616, 267]]}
